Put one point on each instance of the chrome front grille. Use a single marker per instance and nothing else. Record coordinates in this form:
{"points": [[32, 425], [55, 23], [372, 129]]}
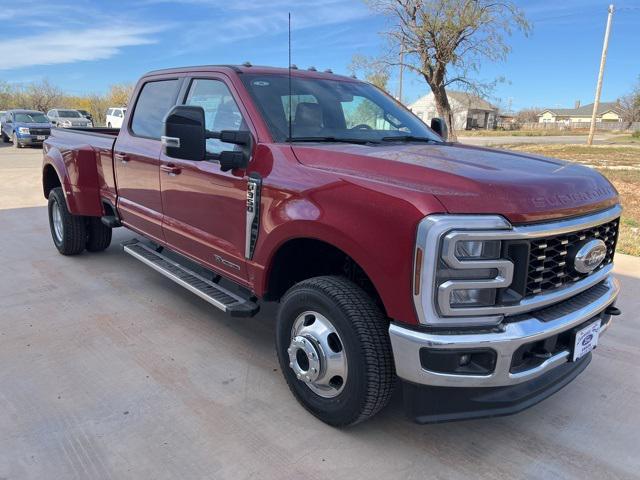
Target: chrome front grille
{"points": [[549, 257]]}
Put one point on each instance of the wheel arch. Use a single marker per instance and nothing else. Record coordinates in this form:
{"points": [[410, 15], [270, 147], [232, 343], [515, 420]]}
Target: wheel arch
{"points": [[300, 258]]}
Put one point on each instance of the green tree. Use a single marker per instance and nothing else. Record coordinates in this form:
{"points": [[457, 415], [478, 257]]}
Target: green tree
{"points": [[445, 41]]}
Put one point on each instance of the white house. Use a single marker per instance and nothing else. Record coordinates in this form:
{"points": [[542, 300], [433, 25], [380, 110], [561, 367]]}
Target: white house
{"points": [[469, 111], [607, 112]]}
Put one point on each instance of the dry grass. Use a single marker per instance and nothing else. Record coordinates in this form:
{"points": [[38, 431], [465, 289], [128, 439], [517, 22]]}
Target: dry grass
{"points": [[546, 132], [621, 165]]}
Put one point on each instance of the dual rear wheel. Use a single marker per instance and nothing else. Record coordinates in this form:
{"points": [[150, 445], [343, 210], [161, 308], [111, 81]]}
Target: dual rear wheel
{"points": [[72, 234]]}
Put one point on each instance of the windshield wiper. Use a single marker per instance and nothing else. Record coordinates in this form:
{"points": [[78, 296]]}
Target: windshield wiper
{"points": [[408, 138], [360, 141]]}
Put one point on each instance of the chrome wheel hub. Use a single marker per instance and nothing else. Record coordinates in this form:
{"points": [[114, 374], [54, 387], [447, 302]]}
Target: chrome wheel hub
{"points": [[316, 354], [57, 221]]}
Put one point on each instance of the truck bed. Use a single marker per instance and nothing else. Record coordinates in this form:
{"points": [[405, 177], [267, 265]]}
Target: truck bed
{"points": [[87, 155]]}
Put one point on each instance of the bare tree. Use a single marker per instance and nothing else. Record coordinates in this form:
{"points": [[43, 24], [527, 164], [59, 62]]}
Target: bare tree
{"points": [[445, 41], [41, 96], [630, 105], [376, 73], [119, 94], [528, 115]]}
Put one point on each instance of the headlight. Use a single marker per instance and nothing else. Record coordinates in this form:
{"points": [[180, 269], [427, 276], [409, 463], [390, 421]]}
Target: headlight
{"points": [[23, 130], [469, 273], [477, 249], [460, 270]]}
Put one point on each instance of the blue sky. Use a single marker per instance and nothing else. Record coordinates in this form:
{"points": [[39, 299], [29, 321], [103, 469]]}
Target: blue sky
{"points": [[85, 46]]}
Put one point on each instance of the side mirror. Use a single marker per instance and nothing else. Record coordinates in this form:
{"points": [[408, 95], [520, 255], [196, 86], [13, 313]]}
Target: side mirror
{"points": [[184, 133], [440, 127]]}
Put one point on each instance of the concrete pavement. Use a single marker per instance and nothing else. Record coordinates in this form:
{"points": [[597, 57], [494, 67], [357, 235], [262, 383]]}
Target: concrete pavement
{"points": [[598, 139], [109, 370]]}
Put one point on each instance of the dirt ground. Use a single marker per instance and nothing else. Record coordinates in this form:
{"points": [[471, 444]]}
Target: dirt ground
{"points": [[620, 164]]}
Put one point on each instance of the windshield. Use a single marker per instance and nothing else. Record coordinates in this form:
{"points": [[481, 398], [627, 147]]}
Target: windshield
{"points": [[332, 110], [35, 117], [69, 114]]}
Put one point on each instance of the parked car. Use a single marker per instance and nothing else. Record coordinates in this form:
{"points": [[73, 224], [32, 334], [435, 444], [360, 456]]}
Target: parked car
{"points": [[481, 279], [115, 117], [65, 118], [25, 127], [86, 115], [2, 113]]}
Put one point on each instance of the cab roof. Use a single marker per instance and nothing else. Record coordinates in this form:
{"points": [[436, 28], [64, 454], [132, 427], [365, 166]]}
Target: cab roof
{"points": [[254, 69]]}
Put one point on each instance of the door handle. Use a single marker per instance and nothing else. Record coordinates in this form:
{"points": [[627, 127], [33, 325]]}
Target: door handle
{"points": [[121, 156], [171, 169]]}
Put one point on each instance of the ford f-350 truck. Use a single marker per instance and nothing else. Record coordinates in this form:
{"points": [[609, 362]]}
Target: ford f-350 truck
{"points": [[478, 280]]}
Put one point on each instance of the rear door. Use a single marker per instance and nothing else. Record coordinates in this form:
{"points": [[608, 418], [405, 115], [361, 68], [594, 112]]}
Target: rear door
{"points": [[204, 207], [136, 157]]}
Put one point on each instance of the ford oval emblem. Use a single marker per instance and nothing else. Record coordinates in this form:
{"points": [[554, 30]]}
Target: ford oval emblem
{"points": [[586, 340], [589, 256]]}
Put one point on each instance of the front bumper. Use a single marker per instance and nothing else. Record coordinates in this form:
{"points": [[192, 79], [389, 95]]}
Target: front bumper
{"points": [[31, 139], [504, 340], [515, 388]]}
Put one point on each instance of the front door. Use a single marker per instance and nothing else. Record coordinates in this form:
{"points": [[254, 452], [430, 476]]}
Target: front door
{"points": [[136, 157], [204, 207]]}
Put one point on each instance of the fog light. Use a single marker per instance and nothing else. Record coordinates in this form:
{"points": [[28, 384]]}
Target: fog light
{"points": [[475, 361], [464, 360]]}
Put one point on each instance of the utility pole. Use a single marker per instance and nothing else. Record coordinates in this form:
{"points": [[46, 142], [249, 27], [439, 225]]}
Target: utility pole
{"points": [[401, 71], [603, 60]]}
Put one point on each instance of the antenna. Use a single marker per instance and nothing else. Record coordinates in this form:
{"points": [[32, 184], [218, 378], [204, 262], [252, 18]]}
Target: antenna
{"points": [[290, 91]]}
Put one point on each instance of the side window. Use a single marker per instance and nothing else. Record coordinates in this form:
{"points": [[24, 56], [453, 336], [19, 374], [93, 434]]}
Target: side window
{"points": [[117, 113], [220, 110], [154, 101], [110, 111]]}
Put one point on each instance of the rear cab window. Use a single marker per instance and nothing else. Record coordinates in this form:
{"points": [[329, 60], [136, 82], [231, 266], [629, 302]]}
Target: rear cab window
{"points": [[154, 101]]}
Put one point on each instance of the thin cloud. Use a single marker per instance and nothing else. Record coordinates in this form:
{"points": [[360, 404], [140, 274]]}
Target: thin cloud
{"points": [[73, 45], [245, 24]]}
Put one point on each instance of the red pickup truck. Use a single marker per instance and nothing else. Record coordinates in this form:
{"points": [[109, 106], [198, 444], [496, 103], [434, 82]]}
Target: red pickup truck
{"points": [[477, 279]]}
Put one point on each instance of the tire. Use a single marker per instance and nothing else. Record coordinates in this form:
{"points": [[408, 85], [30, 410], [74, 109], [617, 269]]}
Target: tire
{"points": [[5, 138], [362, 337], [72, 237], [109, 124], [14, 139], [98, 235]]}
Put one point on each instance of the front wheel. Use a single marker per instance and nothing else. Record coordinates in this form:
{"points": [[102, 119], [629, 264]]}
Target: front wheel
{"points": [[68, 231], [16, 144], [333, 347]]}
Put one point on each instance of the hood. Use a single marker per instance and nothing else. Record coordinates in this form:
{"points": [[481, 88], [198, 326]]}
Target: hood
{"points": [[33, 125], [466, 179]]}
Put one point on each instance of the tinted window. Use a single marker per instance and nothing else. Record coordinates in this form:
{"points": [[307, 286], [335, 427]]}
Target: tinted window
{"points": [[327, 108], [34, 117], [69, 114], [154, 101], [220, 110]]}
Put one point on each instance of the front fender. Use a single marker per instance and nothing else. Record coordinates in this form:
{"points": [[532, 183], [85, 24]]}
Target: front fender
{"points": [[376, 228]]}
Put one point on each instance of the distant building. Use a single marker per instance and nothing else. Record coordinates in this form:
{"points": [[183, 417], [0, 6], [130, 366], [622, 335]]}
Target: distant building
{"points": [[607, 112], [469, 111]]}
